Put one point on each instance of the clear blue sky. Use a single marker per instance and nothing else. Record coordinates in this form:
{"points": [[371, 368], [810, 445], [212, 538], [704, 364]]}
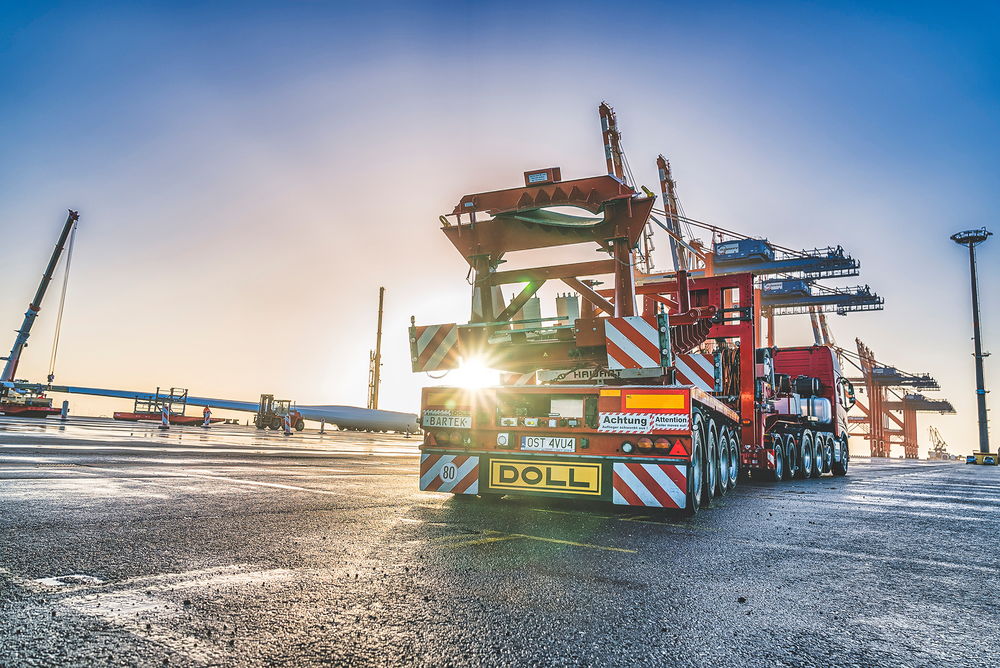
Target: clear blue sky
{"points": [[268, 165]]}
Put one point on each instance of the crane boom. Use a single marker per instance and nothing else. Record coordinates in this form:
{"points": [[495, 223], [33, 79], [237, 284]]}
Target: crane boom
{"points": [[10, 368], [678, 253]]}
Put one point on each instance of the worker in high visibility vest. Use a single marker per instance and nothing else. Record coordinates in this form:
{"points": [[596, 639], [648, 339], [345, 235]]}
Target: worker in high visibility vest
{"points": [[207, 413], [164, 417], [286, 422]]}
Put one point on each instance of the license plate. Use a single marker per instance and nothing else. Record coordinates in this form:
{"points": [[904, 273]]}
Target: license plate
{"points": [[440, 418], [548, 444], [527, 475]]}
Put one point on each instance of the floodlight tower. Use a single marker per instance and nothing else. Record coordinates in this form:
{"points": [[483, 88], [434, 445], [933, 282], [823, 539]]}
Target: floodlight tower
{"points": [[973, 238]]}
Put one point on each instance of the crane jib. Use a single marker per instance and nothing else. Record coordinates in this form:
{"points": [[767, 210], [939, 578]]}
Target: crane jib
{"points": [[10, 368]]}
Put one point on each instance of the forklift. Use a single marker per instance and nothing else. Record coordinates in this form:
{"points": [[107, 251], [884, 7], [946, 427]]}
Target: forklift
{"points": [[271, 413]]}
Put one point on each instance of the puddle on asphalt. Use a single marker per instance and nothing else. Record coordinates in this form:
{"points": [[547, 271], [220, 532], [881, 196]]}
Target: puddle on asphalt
{"points": [[105, 429]]}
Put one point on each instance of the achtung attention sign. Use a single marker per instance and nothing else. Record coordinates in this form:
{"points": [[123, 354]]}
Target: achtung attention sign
{"points": [[642, 423]]}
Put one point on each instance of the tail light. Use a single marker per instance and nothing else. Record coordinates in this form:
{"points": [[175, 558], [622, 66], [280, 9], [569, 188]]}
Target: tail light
{"points": [[644, 443], [661, 444], [429, 439], [627, 447]]}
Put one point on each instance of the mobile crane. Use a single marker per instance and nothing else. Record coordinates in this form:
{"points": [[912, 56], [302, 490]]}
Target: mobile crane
{"points": [[21, 402], [666, 405]]}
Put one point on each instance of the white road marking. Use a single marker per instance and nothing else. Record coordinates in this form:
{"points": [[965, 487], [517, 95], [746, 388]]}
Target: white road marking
{"points": [[384, 451], [238, 481], [131, 605], [880, 506], [901, 494], [784, 547]]}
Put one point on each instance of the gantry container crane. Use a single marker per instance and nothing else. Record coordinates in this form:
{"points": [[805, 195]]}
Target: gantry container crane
{"points": [[13, 400], [939, 448], [660, 403], [787, 279], [886, 394]]}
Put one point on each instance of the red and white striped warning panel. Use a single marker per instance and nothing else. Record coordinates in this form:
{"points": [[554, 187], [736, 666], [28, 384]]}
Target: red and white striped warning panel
{"points": [[458, 474], [653, 485], [519, 379], [696, 369], [434, 347], [633, 342]]}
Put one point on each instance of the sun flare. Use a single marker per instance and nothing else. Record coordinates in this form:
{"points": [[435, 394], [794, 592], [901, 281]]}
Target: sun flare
{"points": [[475, 374]]}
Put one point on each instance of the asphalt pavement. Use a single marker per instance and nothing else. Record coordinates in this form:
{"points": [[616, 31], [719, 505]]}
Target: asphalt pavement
{"points": [[124, 545]]}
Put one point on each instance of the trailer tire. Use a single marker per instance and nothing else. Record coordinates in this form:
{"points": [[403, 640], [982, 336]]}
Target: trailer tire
{"points": [[840, 467], [722, 453], [711, 462], [734, 459], [692, 495], [699, 428]]}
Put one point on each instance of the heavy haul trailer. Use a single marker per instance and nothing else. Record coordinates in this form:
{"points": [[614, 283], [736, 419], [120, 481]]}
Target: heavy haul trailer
{"points": [[666, 406]]}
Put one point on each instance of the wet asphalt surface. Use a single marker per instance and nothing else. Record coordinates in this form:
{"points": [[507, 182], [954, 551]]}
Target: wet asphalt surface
{"points": [[121, 545]]}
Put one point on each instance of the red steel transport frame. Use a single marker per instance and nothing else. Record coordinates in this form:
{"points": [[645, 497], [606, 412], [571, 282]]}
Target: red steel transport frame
{"points": [[156, 417], [666, 405], [43, 410]]}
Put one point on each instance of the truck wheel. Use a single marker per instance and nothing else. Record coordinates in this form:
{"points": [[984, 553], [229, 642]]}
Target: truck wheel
{"points": [[779, 457], [825, 442], [259, 424], [734, 459], [805, 456], [692, 495], [818, 454], [300, 425], [721, 447], [840, 467], [791, 457]]}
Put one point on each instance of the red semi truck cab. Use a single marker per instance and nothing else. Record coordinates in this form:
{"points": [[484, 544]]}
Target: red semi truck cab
{"points": [[820, 362]]}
